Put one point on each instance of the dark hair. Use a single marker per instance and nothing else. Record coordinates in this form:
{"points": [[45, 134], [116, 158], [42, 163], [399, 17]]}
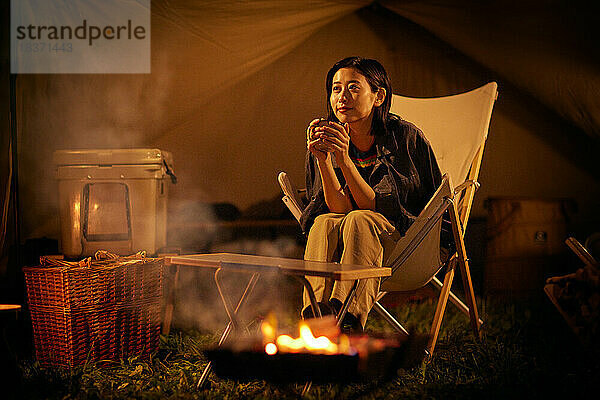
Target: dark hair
{"points": [[377, 78]]}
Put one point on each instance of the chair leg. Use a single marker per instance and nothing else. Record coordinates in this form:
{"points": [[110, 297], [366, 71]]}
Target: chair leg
{"points": [[454, 299], [316, 310], [342, 313], [441, 307], [389, 318], [463, 265]]}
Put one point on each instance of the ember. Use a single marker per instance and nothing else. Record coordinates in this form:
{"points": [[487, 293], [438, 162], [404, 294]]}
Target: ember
{"points": [[271, 349]]}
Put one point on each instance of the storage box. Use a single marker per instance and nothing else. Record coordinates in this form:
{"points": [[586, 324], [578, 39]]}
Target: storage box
{"points": [[113, 199], [525, 241], [95, 310]]}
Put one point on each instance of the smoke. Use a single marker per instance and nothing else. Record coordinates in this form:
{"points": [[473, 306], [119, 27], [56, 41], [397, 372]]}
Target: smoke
{"points": [[192, 226], [57, 112], [199, 306], [284, 246], [113, 111]]}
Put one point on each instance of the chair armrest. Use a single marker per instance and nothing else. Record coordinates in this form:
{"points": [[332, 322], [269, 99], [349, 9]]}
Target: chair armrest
{"points": [[290, 198], [581, 252], [466, 184], [294, 209]]}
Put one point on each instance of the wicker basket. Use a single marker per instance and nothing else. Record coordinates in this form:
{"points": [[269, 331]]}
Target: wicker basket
{"points": [[98, 309]]}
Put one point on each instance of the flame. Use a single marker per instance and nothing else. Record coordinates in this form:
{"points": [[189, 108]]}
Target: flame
{"points": [[306, 342], [320, 343], [267, 330]]}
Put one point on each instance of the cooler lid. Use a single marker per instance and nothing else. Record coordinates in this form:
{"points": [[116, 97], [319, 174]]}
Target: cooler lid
{"points": [[111, 157]]}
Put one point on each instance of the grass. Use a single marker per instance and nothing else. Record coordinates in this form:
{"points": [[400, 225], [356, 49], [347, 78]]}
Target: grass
{"points": [[527, 351]]}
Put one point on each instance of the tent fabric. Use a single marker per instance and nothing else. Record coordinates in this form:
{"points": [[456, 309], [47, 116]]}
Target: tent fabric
{"points": [[227, 41], [538, 46], [234, 84], [546, 48]]}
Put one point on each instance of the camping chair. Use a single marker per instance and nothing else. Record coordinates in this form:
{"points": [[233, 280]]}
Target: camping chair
{"points": [[456, 127]]}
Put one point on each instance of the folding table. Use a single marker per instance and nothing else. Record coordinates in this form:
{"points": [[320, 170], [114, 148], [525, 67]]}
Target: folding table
{"points": [[256, 265]]}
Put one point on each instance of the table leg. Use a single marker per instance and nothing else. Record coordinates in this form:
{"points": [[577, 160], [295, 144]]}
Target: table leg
{"points": [[230, 325], [228, 308], [166, 326]]}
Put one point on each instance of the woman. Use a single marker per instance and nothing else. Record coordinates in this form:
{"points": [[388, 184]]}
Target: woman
{"points": [[368, 175]]}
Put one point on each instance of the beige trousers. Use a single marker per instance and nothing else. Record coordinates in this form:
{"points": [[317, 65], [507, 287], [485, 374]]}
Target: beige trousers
{"points": [[360, 237]]}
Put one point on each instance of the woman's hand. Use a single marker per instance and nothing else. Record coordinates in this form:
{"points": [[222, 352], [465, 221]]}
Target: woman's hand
{"points": [[314, 143], [319, 144], [336, 139]]}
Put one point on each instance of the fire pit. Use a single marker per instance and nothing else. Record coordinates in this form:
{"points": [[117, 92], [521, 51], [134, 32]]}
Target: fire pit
{"points": [[331, 357]]}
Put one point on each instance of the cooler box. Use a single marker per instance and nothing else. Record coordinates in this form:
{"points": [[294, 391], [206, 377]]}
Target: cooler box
{"points": [[113, 199]]}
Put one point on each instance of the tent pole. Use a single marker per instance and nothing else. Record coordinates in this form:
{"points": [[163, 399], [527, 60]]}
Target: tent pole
{"points": [[15, 167]]}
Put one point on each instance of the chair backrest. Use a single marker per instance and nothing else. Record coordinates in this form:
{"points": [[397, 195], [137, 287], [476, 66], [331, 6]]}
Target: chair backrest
{"points": [[456, 127], [416, 257]]}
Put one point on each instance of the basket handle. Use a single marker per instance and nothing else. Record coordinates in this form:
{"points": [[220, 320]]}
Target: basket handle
{"points": [[104, 255], [50, 261]]}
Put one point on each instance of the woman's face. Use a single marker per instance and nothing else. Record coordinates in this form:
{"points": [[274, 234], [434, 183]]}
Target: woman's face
{"points": [[352, 99]]}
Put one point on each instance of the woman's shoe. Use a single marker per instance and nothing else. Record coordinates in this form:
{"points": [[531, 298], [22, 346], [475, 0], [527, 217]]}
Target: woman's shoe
{"points": [[326, 309], [351, 324]]}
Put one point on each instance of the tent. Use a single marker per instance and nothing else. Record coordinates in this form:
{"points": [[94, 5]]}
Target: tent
{"points": [[233, 85]]}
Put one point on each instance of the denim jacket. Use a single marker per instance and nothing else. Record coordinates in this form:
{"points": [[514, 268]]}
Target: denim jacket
{"points": [[404, 178]]}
